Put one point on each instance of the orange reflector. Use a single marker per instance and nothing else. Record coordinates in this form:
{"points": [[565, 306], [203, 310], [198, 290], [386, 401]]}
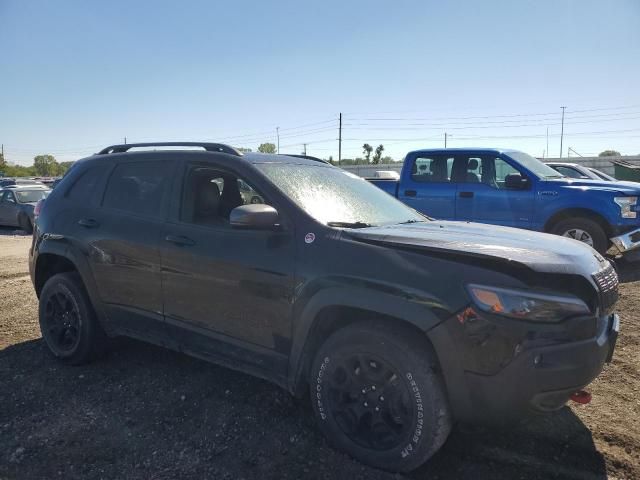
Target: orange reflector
{"points": [[489, 298]]}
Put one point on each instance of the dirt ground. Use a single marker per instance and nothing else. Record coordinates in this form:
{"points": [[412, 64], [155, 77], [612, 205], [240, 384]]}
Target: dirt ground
{"points": [[145, 413]]}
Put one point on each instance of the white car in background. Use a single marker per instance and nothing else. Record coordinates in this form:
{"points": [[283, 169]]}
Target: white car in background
{"points": [[574, 170]]}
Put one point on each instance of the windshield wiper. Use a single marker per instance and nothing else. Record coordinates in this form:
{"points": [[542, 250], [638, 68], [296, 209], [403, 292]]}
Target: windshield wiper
{"points": [[411, 221], [349, 224]]}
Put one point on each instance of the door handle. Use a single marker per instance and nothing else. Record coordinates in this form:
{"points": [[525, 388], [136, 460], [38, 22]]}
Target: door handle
{"points": [[466, 194], [180, 240], [88, 223], [410, 193]]}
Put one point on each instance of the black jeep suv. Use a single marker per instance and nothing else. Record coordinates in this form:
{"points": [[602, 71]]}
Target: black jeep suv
{"points": [[395, 323]]}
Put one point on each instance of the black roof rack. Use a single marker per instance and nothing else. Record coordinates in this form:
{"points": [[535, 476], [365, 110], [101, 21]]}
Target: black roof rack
{"points": [[308, 157], [209, 147]]}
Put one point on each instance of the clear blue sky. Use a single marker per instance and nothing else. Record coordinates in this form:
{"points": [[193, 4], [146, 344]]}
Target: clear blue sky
{"points": [[79, 75]]}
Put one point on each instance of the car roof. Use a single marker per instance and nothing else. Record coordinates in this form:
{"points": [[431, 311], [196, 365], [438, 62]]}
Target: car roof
{"points": [[211, 150], [563, 163], [495, 151], [25, 186]]}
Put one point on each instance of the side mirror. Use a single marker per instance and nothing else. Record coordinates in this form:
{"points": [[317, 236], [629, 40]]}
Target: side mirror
{"points": [[515, 181], [254, 217]]}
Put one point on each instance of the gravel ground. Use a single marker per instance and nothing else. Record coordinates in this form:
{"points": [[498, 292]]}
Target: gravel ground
{"points": [[146, 413]]}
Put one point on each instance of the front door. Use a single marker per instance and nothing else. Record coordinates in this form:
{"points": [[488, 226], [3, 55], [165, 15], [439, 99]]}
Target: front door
{"points": [[482, 196], [220, 282], [8, 209]]}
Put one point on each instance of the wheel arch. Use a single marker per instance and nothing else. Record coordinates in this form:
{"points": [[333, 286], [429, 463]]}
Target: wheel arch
{"points": [[336, 308], [569, 213]]}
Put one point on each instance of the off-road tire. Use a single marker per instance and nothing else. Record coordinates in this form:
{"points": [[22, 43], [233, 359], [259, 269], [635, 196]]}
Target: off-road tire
{"points": [[91, 339], [428, 422]]}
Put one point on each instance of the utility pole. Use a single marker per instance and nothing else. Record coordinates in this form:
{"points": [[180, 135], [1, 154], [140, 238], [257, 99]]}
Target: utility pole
{"points": [[305, 149], [445, 139], [340, 140], [278, 137], [125, 140], [562, 131], [547, 150]]}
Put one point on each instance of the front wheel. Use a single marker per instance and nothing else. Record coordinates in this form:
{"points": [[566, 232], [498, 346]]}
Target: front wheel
{"points": [[585, 230], [377, 395]]}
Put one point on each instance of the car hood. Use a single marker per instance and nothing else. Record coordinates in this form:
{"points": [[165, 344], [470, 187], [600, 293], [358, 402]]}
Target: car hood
{"points": [[539, 251], [626, 188]]}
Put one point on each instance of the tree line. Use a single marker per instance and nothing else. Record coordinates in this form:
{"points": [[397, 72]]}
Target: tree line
{"points": [[43, 166]]}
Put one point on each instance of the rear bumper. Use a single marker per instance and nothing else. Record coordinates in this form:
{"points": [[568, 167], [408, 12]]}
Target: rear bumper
{"points": [[625, 242], [537, 380]]}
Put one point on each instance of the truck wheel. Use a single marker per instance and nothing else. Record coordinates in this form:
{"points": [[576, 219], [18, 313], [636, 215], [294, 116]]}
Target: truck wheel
{"points": [[585, 230], [377, 396], [67, 320]]}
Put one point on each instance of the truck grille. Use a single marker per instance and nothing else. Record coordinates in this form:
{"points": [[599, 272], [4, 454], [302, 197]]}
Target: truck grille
{"points": [[607, 281]]}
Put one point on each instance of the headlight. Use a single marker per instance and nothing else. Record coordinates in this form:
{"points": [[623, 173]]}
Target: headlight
{"points": [[626, 204], [525, 305]]}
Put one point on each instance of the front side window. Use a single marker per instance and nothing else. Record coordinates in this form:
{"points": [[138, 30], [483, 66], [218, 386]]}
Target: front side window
{"points": [[8, 197], [209, 195], [138, 188], [336, 197]]}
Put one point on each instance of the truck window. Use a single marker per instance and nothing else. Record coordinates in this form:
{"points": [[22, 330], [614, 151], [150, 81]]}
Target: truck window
{"points": [[432, 169]]}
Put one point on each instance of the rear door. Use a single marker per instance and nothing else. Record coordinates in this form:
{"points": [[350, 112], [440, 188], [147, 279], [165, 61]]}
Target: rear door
{"points": [[426, 185], [123, 235], [482, 196]]}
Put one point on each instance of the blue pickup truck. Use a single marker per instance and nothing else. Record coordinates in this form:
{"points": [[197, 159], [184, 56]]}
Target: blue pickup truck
{"points": [[511, 188]]}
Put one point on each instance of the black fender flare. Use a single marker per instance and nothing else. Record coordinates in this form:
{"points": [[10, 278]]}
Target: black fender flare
{"points": [[381, 302], [61, 247]]}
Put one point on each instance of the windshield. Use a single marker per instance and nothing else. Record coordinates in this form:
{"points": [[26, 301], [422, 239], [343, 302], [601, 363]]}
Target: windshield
{"points": [[30, 196], [336, 197], [534, 165]]}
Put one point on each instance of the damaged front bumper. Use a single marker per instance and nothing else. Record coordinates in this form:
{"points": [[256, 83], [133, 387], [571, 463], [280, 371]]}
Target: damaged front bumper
{"points": [[625, 243]]}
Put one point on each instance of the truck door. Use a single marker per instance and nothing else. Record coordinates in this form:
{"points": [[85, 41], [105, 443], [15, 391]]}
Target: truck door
{"points": [[426, 185], [482, 195]]}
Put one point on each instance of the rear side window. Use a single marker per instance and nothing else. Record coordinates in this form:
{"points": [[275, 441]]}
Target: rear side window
{"points": [[432, 169], [85, 187], [138, 188]]}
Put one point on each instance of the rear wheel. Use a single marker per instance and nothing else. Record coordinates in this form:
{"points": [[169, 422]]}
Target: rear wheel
{"points": [[377, 396], [67, 321], [584, 230], [25, 224]]}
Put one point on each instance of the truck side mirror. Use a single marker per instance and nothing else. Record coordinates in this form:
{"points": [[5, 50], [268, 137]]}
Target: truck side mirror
{"points": [[515, 181]]}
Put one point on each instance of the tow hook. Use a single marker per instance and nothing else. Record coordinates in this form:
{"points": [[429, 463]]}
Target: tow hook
{"points": [[581, 396]]}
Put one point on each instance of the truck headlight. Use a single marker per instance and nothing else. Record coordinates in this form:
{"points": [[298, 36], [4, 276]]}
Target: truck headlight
{"points": [[626, 205], [524, 305]]}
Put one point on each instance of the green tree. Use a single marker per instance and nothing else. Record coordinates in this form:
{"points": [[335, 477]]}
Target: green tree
{"points": [[386, 160], [267, 148], [367, 149], [3, 165], [45, 165], [609, 153], [378, 155], [63, 167]]}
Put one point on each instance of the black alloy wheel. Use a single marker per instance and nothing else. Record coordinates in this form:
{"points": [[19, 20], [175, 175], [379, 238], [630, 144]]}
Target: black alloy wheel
{"points": [[369, 402]]}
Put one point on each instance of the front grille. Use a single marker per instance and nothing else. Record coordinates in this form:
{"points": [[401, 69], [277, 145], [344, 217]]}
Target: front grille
{"points": [[607, 281]]}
